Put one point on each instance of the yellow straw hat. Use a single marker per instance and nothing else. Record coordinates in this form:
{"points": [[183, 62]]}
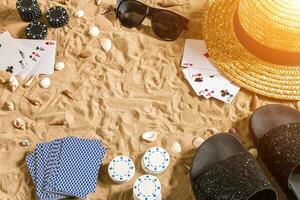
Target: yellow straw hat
{"points": [[256, 43]]}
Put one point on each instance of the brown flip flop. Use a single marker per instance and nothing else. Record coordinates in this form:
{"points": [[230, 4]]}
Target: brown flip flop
{"points": [[275, 130], [223, 169]]}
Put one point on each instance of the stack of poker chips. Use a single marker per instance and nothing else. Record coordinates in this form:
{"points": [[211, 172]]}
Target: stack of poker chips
{"points": [[66, 167], [57, 17], [147, 187], [36, 30], [29, 10]]}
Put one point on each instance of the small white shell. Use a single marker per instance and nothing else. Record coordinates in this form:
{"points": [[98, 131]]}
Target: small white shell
{"points": [[13, 83], [45, 83], [59, 66], [254, 152], [20, 124], [176, 148], [9, 105], [25, 143], [94, 31], [79, 13], [150, 136], [106, 44], [198, 141], [98, 2]]}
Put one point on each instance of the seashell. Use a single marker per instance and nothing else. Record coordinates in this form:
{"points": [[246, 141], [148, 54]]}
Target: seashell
{"points": [[9, 105], [94, 31], [213, 130], [176, 148], [13, 83], [34, 102], [25, 143], [60, 122], [45, 83], [106, 11], [69, 94], [85, 54], [59, 66], [98, 2], [253, 152], [30, 81], [106, 44], [198, 141], [150, 136], [20, 124], [79, 13]]}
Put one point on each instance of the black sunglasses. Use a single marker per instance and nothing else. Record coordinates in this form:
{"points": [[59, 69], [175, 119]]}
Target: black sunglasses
{"points": [[166, 25]]}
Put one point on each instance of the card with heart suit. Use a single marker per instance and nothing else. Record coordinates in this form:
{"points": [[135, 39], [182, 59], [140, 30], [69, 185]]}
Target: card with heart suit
{"points": [[43, 52], [205, 79], [12, 57], [195, 55]]}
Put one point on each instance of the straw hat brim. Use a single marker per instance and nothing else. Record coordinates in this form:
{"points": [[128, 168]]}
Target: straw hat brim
{"points": [[238, 64]]}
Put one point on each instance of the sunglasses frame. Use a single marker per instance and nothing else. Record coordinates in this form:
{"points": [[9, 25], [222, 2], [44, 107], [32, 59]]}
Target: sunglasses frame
{"points": [[151, 11]]}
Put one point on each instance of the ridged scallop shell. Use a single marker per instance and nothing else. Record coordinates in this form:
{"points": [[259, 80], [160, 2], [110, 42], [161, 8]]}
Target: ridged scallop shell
{"points": [[150, 136]]}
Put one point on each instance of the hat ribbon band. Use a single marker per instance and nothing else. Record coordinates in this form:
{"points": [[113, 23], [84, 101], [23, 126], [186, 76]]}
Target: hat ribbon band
{"points": [[261, 51]]}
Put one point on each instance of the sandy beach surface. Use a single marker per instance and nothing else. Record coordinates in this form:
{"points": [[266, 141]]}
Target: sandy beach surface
{"points": [[137, 87]]}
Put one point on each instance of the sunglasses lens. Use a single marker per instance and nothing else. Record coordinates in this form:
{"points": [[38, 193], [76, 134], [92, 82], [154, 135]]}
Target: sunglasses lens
{"points": [[166, 25], [131, 13]]}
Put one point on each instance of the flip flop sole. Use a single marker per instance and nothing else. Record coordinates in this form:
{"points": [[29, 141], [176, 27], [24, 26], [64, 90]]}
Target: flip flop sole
{"points": [[275, 130], [220, 163]]}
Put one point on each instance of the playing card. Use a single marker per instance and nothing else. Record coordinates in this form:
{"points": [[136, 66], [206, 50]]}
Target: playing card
{"points": [[196, 72], [77, 171], [195, 55], [43, 54], [204, 83], [12, 58], [34, 52], [226, 93]]}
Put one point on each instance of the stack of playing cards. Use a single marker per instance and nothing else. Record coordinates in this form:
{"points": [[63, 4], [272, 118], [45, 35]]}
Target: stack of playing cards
{"points": [[66, 168], [203, 76], [26, 57]]}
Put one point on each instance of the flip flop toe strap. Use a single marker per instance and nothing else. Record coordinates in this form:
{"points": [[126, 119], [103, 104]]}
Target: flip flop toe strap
{"points": [[238, 178], [280, 149]]}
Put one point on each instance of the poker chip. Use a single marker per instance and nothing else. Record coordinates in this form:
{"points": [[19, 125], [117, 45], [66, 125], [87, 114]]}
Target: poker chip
{"points": [[121, 169], [147, 187], [155, 160], [57, 17], [36, 30], [28, 10]]}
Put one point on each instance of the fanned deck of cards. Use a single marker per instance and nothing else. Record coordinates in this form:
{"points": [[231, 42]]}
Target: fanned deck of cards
{"points": [[26, 57], [205, 79], [65, 168]]}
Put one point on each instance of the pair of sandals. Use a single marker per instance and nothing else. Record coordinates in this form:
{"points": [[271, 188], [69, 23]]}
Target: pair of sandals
{"points": [[222, 169]]}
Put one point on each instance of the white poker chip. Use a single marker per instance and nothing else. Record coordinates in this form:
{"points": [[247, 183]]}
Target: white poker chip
{"points": [[121, 169], [147, 187], [156, 160]]}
